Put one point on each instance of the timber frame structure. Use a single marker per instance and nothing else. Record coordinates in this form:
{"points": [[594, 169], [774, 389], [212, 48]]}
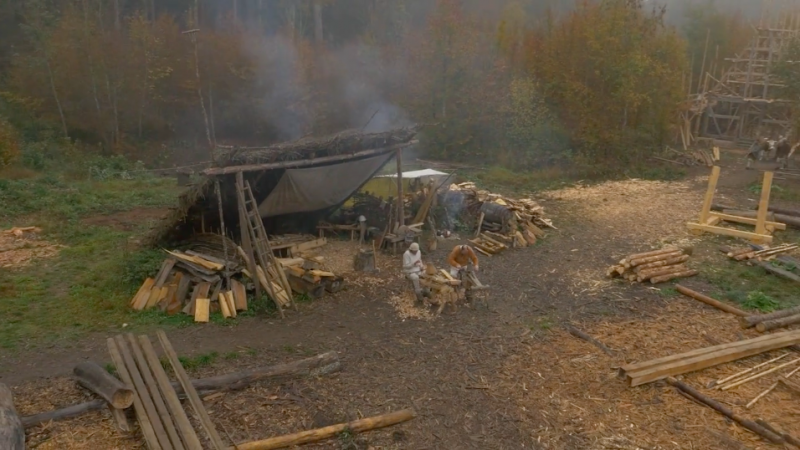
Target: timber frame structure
{"points": [[744, 103]]}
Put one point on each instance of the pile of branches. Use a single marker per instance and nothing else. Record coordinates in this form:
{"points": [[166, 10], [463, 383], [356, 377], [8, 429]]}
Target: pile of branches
{"points": [[349, 141], [500, 213]]}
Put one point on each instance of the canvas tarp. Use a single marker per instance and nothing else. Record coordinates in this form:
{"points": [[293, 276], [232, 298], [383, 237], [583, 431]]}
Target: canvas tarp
{"points": [[317, 188]]}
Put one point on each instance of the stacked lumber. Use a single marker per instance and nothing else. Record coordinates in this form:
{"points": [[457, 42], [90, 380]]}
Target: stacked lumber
{"points": [[670, 366], [162, 419], [657, 266], [519, 220], [766, 254]]}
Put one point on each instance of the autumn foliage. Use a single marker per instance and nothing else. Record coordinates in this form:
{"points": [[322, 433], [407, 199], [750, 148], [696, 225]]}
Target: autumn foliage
{"points": [[492, 83]]}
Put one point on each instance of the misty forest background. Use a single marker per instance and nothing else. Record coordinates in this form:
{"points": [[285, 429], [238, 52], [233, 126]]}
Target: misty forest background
{"points": [[520, 84]]}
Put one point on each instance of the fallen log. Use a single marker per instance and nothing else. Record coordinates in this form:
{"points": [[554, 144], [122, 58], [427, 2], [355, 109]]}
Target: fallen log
{"points": [[314, 366], [581, 335], [98, 380], [722, 409], [789, 221], [673, 275], [778, 271], [710, 301], [785, 211], [12, 433], [769, 325], [305, 437]]}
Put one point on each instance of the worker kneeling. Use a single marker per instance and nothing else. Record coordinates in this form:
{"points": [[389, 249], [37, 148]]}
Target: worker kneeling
{"points": [[460, 257]]}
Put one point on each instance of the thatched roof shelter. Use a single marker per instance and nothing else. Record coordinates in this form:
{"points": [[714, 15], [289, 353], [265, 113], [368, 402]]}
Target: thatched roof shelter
{"points": [[293, 182]]}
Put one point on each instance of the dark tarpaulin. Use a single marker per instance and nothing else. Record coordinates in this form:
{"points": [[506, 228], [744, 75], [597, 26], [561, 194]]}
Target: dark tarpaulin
{"points": [[317, 188]]}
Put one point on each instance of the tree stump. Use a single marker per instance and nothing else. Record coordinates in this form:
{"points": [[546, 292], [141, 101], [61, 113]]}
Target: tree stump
{"points": [[365, 261], [12, 435]]}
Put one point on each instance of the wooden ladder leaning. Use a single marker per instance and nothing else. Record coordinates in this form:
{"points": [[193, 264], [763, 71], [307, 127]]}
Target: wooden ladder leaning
{"points": [[274, 279]]}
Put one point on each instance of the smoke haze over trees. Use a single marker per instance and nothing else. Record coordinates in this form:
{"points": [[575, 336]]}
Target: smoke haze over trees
{"points": [[518, 83]]}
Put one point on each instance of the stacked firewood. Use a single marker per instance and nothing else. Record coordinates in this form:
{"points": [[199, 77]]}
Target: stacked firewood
{"points": [[656, 266], [444, 288], [748, 253], [195, 284], [520, 220], [200, 284]]}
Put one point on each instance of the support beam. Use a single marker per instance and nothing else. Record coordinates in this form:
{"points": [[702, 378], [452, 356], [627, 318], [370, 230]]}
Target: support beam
{"points": [[400, 213]]}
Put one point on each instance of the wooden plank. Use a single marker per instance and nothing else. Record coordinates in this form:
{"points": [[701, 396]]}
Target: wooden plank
{"points": [[310, 245], [144, 394], [202, 310], [746, 220], [145, 288], [641, 366], [223, 305], [191, 393], [148, 431], [239, 295], [230, 303], [155, 393], [713, 359], [163, 274], [759, 238], [763, 203], [709, 197], [175, 408]]}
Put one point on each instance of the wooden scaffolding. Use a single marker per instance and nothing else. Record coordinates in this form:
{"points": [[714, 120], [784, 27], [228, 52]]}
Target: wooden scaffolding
{"points": [[744, 104]]}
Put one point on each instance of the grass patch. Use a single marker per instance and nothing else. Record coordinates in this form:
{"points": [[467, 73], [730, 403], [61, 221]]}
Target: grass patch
{"points": [[751, 287], [86, 287], [760, 301], [199, 361]]}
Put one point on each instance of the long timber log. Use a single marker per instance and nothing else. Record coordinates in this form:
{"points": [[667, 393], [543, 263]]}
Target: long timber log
{"points": [[722, 409], [317, 365], [710, 301], [305, 437], [769, 325], [755, 319]]}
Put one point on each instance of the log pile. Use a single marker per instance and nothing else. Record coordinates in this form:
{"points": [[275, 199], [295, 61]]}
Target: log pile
{"points": [[443, 287], [669, 366], [519, 221], [772, 321], [656, 266], [307, 276]]}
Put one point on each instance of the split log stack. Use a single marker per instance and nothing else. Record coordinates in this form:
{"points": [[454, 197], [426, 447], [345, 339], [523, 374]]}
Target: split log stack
{"points": [[307, 276], [656, 266], [513, 222], [444, 288], [201, 284]]}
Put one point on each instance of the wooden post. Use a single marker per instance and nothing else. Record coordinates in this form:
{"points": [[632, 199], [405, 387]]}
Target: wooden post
{"points": [[226, 272], [400, 212], [12, 435], [763, 204], [709, 198]]}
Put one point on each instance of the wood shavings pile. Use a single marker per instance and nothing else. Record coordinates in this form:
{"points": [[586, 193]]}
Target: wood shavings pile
{"points": [[636, 209], [406, 307], [20, 246], [574, 388]]}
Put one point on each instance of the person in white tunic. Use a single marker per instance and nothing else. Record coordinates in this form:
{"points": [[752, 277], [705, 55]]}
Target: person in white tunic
{"points": [[412, 267]]}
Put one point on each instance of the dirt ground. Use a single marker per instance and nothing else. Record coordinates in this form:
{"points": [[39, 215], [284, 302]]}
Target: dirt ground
{"points": [[498, 375]]}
